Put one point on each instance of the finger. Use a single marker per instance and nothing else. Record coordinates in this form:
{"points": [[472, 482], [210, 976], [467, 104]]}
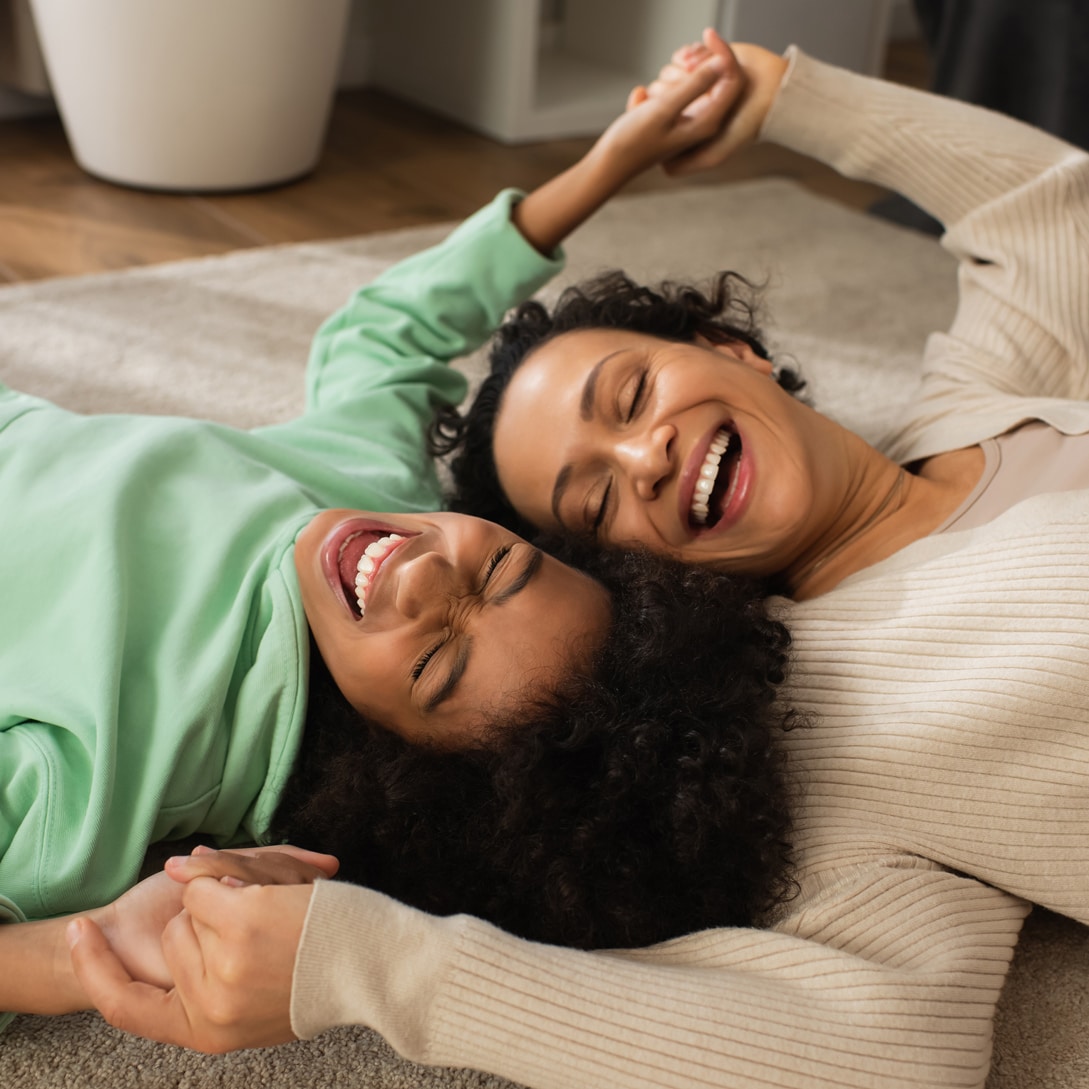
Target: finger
{"points": [[210, 907], [714, 42], [675, 98], [669, 74], [126, 1004], [689, 162], [689, 55], [260, 866], [328, 864]]}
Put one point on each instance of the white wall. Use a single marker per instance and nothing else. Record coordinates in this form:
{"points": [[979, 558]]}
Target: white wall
{"points": [[356, 66]]}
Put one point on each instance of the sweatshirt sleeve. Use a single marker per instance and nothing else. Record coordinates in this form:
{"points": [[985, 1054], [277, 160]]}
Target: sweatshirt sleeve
{"points": [[1015, 204], [885, 976], [379, 366]]}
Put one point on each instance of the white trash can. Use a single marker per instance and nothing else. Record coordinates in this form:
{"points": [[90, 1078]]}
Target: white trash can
{"points": [[194, 95]]}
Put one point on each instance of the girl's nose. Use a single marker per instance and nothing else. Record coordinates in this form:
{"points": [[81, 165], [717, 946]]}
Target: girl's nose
{"points": [[424, 583]]}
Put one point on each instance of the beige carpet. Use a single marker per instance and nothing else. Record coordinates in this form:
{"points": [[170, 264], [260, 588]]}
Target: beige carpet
{"points": [[852, 299]]}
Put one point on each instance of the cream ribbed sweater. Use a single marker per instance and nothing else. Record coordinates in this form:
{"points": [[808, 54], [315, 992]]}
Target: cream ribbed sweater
{"points": [[950, 749]]}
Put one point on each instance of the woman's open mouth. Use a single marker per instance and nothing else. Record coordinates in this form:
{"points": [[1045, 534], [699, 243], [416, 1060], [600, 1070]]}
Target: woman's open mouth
{"points": [[717, 479]]}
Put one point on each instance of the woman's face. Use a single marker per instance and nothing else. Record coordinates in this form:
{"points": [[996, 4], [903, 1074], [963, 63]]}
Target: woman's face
{"points": [[692, 450], [429, 622]]}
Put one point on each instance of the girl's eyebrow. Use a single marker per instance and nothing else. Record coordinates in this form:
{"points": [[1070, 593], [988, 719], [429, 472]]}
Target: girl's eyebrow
{"points": [[563, 478], [461, 662], [522, 579]]}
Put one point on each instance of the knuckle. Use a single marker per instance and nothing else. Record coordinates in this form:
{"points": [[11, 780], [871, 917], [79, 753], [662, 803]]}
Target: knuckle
{"points": [[222, 1010]]}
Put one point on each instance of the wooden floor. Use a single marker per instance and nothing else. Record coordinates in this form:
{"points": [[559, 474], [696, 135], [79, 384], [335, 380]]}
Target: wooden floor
{"points": [[385, 165]]}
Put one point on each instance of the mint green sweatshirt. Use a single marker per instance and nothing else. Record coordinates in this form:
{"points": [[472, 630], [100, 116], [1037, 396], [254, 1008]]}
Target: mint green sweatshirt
{"points": [[153, 644]]}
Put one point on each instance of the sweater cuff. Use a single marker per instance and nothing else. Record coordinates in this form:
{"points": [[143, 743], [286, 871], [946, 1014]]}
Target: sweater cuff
{"points": [[366, 959]]}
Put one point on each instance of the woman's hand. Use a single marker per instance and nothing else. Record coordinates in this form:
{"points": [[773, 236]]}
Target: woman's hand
{"points": [[231, 953], [279, 865], [653, 129], [754, 73], [676, 114]]}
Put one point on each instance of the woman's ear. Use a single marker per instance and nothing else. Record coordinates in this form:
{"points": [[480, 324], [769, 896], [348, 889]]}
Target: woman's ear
{"points": [[737, 349]]}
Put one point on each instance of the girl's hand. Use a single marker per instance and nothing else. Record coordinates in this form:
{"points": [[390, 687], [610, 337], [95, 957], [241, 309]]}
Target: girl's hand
{"points": [[757, 74], [231, 953], [670, 118], [133, 925]]}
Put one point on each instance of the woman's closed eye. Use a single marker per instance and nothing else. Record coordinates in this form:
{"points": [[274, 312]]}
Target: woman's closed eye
{"points": [[634, 394]]}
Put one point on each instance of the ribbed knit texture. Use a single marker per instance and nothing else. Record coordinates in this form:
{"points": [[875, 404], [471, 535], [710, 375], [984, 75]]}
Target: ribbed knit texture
{"points": [[948, 751]]}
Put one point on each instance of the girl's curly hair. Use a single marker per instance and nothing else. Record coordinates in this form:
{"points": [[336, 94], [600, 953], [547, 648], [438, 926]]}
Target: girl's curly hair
{"points": [[726, 310], [644, 799]]}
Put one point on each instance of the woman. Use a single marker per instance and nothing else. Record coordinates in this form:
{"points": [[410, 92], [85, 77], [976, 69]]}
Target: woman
{"points": [[168, 577], [943, 785], [690, 449]]}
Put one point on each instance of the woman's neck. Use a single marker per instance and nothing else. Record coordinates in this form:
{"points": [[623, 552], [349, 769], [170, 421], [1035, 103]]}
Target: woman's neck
{"points": [[885, 510]]}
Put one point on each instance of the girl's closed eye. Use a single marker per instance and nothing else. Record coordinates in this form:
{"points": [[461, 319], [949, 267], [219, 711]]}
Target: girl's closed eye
{"points": [[426, 657], [601, 510], [496, 559]]}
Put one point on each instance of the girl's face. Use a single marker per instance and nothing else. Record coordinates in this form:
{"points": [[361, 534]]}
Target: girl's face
{"points": [[428, 622], [691, 450]]}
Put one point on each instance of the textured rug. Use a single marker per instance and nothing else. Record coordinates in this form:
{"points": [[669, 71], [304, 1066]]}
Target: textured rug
{"points": [[849, 298]]}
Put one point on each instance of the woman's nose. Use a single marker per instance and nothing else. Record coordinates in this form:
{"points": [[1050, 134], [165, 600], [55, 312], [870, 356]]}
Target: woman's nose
{"points": [[646, 459]]}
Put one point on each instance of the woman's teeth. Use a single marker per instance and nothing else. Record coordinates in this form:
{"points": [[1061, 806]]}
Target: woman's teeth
{"points": [[705, 484], [372, 556]]}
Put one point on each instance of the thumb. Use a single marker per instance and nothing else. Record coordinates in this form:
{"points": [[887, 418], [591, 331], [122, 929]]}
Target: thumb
{"points": [[122, 1001]]}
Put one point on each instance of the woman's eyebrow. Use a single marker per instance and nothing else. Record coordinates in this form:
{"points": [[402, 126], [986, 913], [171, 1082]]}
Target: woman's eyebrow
{"points": [[586, 412], [589, 387], [461, 662]]}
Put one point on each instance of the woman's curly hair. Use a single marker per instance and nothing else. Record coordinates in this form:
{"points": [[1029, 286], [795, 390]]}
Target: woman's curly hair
{"points": [[643, 799], [726, 310]]}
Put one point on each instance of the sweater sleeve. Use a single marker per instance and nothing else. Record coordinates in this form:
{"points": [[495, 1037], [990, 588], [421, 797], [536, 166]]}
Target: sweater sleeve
{"points": [[1015, 205], [379, 366], [887, 975]]}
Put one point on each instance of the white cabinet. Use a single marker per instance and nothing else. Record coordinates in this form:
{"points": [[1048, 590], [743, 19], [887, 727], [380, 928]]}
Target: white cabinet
{"points": [[523, 70]]}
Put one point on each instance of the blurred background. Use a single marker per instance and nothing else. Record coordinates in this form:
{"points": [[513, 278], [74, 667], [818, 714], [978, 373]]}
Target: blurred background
{"points": [[403, 113]]}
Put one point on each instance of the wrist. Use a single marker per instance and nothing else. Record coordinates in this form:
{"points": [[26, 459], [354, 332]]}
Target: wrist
{"points": [[549, 214], [68, 991], [38, 976]]}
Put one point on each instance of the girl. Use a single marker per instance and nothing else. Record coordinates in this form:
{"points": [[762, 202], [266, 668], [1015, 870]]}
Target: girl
{"points": [[168, 577]]}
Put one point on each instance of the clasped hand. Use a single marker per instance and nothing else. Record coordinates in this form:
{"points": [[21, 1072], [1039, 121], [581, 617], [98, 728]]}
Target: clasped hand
{"points": [[220, 978]]}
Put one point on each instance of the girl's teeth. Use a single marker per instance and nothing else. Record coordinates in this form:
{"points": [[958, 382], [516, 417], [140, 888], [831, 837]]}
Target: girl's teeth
{"points": [[708, 475], [368, 563]]}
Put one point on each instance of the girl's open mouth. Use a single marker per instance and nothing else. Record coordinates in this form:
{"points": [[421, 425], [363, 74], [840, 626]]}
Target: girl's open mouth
{"points": [[352, 556], [358, 562]]}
